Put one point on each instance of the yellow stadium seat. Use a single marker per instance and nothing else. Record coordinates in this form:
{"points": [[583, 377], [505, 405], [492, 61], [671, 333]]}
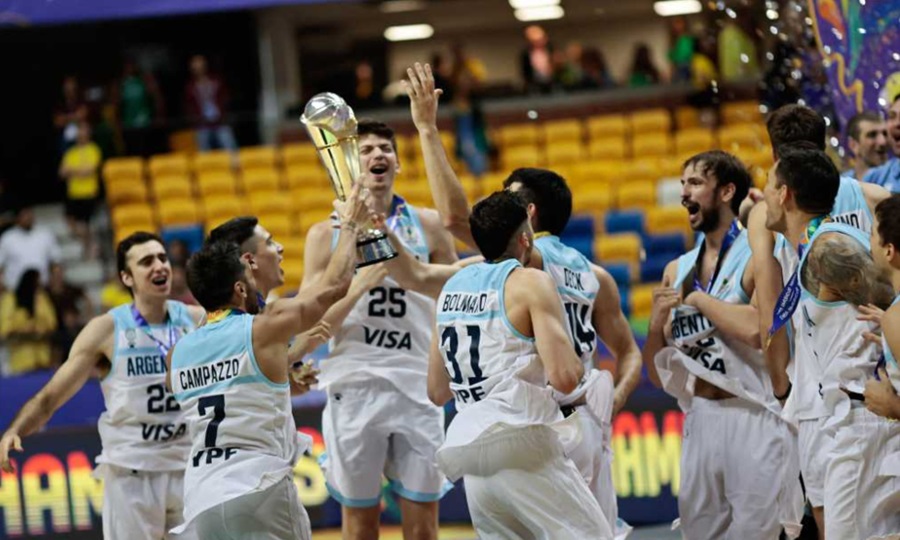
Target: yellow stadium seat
{"points": [[760, 157], [125, 190], [268, 202], [594, 201], [564, 153], [760, 177], [621, 247], [406, 146], [642, 299], [739, 137], [667, 219], [608, 126], [302, 175], [217, 160], [279, 225], [300, 154], [171, 186], [563, 130], [740, 112], [641, 170], [133, 215], [608, 148], [417, 194], [258, 157], [694, 141], [669, 167], [184, 141], [651, 121], [311, 217], [519, 134], [123, 232], [293, 273], [221, 208], [313, 200], [216, 183], [521, 156], [169, 164], [260, 180], [687, 117], [651, 145], [293, 243], [129, 168], [636, 194], [179, 212], [591, 172]]}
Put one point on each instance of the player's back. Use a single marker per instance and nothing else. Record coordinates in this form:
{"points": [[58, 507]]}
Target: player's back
{"points": [[578, 287], [143, 426], [243, 437]]}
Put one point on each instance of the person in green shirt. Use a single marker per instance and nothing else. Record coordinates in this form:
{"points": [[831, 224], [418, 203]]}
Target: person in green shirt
{"points": [[139, 104]]}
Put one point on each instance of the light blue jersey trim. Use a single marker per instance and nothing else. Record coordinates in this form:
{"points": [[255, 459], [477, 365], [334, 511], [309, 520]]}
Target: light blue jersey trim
{"points": [[806, 295], [351, 503], [888, 354], [484, 316], [832, 227], [573, 292], [418, 496], [501, 290], [249, 340]]}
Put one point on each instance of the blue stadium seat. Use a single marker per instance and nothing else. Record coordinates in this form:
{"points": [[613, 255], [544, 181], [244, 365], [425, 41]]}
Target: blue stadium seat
{"points": [[625, 221], [625, 300], [579, 235], [191, 235], [658, 244], [619, 272], [652, 268]]}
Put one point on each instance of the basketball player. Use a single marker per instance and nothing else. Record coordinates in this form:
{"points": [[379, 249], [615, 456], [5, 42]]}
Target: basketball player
{"points": [[143, 431], [739, 477], [231, 378], [378, 419], [881, 390], [836, 273], [589, 293], [775, 260], [500, 339]]}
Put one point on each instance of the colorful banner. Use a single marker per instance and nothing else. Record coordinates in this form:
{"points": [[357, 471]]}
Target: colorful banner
{"points": [[860, 44], [52, 493]]}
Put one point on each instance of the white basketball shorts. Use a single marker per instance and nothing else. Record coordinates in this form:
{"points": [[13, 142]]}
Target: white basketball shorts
{"points": [[141, 505], [815, 443]]}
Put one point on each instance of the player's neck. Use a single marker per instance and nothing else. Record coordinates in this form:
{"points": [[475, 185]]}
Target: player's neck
{"points": [[382, 203], [860, 170], [714, 239], [895, 281], [797, 222], [152, 309]]}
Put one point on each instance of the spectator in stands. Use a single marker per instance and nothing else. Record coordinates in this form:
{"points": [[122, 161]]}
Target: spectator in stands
{"points": [[443, 75], [472, 145], [643, 71], [681, 49], [206, 98], [139, 104], [364, 94], [464, 64], [738, 59], [71, 110], [73, 309], [25, 246], [79, 169], [571, 69], [537, 61], [888, 175], [596, 73], [867, 138], [178, 252], [180, 290], [27, 322]]}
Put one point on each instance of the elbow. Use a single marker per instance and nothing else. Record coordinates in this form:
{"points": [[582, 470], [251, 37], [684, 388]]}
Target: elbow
{"points": [[566, 380], [439, 396], [753, 337], [456, 222]]}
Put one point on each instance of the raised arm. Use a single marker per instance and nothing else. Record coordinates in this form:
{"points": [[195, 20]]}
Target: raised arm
{"points": [[426, 278], [615, 332], [536, 290], [665, 298], [93, 343], [446, 190], [767, 275], [731, 319]]}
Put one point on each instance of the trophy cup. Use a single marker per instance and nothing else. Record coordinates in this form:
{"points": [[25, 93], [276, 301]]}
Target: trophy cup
{"points": [[332, 127]]}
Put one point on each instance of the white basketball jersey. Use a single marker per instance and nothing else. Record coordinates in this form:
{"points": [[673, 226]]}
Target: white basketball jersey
{"points": [[143, 428], [578, 287], [830, 350], [388, 332], [705, 352], [890, 361], [242, 431]]}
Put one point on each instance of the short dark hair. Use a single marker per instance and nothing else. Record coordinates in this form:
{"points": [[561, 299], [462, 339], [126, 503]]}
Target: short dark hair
{"points": [[550, 195], [495, 220], [853, 124], [236, 230], [795, 123], [212, 273], [727, 169], [888, 215], [811, 175], [367, 126], [133, 239]]}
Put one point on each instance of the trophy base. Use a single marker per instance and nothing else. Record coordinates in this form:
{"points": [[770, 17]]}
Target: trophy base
{"points": [[373, 247]]}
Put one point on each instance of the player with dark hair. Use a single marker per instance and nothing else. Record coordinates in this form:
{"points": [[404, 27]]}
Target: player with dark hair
{"points": [[888, 175]]}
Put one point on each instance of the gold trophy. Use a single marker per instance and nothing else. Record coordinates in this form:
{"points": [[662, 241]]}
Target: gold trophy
{"points": [[332, 127]]}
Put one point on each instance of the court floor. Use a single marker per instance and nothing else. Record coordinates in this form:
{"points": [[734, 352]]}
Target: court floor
{"points": [[466, 533]]}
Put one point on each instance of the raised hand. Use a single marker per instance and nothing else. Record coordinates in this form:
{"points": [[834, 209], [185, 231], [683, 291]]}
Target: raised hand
{"points": [[10, 441], [423, 96]]}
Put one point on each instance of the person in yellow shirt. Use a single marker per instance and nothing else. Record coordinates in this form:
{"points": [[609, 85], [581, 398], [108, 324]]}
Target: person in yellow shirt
{"points": [[79, 168], [27, 322]]}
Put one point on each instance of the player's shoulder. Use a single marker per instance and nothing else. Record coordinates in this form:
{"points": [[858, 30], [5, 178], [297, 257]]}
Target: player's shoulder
{"points": [[525, 277], [430, 218], [318, 232], [100, 328]]}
